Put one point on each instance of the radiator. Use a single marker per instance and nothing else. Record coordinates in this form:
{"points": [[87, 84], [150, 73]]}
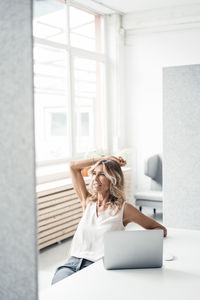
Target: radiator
{"points": [[60, 210]]}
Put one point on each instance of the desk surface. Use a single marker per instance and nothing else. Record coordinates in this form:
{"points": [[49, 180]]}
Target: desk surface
{"points": [[177, 279]]}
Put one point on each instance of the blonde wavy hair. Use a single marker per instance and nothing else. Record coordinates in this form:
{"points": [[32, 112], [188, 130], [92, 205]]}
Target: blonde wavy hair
{"points": [[113, 172]]}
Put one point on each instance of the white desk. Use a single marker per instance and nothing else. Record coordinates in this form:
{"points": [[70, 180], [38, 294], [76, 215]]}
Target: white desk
{"points": [[177, 279]]}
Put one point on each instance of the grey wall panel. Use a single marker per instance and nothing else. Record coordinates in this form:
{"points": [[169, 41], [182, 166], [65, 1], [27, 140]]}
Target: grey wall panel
{"points": [[18, 249], [181, 146]]}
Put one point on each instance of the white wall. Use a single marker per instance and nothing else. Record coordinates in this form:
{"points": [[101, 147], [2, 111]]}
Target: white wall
{"points": [[147, 50]]}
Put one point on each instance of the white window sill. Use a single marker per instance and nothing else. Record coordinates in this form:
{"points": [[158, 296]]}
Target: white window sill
{"points": [[55, 186], [60, 184], [47, 174]]}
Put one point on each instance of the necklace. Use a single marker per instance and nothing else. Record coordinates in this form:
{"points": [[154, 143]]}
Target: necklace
{"points": [[99, 204], [101, 208]]}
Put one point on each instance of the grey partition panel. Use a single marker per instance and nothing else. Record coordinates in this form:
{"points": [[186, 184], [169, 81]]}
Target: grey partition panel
{"points": [[181, 146], [18, 248]]}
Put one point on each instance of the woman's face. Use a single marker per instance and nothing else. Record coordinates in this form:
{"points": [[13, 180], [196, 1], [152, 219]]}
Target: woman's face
{"points": [[100, 183]]}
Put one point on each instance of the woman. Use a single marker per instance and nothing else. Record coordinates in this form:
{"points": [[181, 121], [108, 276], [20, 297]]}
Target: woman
{"points": [[104, 209]]}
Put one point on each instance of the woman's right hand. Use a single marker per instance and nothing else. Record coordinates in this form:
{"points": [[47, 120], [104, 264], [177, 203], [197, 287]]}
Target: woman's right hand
{"points": [[120, 160]]}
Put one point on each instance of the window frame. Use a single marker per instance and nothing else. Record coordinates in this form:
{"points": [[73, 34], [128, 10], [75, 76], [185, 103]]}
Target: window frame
{"points": [[72, 52]]}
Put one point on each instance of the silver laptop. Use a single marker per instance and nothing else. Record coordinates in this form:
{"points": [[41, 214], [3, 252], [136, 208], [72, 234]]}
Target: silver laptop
{"points": [[133, 249]]}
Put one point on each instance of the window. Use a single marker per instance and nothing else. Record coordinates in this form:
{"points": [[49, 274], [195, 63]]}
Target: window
{"points": [[85, 30], [69, 68], [58, 123], [84, 124]]}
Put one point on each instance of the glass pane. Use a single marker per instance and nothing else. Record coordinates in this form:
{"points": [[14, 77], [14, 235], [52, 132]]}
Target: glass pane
{"points": [[85, 124], [85, 81], [85, 30], [58, 124], [50, 20], [49, 68], [89, 129], [51, 103]]}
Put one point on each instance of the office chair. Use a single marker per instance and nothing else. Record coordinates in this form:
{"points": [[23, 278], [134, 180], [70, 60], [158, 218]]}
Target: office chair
{"points": [[153, 197]]}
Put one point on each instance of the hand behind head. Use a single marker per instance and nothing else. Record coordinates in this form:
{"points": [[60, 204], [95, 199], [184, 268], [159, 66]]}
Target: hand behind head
{"points": [[120, 160]]}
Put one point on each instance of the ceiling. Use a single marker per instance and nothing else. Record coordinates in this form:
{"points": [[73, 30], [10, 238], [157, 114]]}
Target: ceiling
{"points": [[128, 6]]}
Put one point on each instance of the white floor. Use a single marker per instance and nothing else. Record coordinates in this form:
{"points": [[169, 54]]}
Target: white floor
{"points": [[53, 256], [49, 259]]}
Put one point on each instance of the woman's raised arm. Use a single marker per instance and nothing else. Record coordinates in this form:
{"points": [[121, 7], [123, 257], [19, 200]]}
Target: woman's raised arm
{"points": [[77, 177]]}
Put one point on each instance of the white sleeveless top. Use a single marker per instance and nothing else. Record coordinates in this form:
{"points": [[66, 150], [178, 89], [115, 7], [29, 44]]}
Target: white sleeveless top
{"points": [[88, 239]]}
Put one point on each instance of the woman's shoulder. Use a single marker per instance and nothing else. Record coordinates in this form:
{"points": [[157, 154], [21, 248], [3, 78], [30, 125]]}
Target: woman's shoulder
{"points": [[88, 203], [128, 206], [126, 213], [129, 210], [89, 199]]}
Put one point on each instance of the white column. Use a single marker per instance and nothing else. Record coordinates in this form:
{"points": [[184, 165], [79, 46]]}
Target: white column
{"points": [[181, 146], [18, 253]]}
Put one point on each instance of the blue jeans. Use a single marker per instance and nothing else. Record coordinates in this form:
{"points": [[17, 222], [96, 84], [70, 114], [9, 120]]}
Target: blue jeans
{"points": [[73, 264]]}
